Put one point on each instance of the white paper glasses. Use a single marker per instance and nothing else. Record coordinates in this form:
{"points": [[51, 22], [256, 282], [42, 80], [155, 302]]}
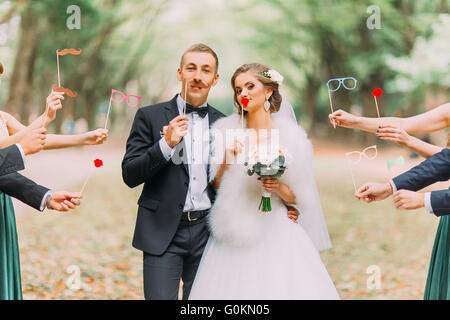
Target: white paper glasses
{"points": [[354, 157]]}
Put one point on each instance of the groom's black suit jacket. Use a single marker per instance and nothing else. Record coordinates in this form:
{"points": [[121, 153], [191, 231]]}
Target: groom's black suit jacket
{"points": [[435, 168], [165, 182]]}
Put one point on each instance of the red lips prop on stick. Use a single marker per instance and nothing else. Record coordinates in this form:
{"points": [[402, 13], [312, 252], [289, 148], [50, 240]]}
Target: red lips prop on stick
{"points": [[97, 163], [376, 94], [244, 103]]}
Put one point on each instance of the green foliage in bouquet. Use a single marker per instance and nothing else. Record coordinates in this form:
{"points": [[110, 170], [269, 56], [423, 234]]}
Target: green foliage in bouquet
{"points": [[275, 169]]}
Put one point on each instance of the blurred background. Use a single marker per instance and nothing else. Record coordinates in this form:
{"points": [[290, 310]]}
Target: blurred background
{"points": [[135, 47]]}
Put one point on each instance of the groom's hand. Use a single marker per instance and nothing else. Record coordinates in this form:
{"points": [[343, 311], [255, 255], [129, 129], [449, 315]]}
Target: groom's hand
{"points": [[176, 130]]}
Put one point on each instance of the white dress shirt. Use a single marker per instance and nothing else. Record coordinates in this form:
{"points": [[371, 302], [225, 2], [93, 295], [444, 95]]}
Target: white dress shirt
{"points": [[426, 197], [197, 153]]}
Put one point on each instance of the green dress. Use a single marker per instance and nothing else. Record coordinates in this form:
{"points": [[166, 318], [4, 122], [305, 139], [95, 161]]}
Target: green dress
{"points": [[10, 281], [437, 287]]}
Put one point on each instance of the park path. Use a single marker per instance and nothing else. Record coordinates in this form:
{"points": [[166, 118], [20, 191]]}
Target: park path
{"points": [[67, 169]]}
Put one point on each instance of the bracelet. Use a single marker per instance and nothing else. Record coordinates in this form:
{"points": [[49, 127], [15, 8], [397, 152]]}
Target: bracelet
{"points": [[47, 202]]}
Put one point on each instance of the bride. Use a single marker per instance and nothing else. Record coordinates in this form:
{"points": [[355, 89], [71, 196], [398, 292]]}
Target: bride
{"points": [[263, 255]]}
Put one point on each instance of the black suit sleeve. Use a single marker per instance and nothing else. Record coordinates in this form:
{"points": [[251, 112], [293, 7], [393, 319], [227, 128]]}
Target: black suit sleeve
{"points": [[24, 189], [10, 160], [143, 157], [435, 168], [440, 202]]}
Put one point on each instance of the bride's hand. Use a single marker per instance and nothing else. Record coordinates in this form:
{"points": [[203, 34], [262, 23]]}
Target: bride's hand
{"points": [[233, 150], [292, 213], [271, 184]]}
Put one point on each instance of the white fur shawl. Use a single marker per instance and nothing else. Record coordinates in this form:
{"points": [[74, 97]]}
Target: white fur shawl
{"points": [[235, 217]]}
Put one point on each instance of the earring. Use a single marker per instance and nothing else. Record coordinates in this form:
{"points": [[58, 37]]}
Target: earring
{"points": [[267, 105]]}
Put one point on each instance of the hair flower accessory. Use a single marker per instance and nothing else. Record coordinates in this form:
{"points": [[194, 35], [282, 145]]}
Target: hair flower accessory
{"points": [[273, 75]]}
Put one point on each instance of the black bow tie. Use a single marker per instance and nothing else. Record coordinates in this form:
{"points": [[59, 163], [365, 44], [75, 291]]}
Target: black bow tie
{"points": [[202, 112]]}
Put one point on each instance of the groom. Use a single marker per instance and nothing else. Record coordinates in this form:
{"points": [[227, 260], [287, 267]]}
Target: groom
{"points": [[171, 228]]}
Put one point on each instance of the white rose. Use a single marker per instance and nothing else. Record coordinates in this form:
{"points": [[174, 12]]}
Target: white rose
{"points": [[275, 76]]}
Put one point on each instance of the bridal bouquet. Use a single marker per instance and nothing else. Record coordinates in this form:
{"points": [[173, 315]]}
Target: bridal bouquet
{"points": [[266, 163]]}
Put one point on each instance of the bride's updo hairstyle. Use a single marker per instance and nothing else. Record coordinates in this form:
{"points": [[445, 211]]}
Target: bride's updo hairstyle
{"points": [[258, 69]]}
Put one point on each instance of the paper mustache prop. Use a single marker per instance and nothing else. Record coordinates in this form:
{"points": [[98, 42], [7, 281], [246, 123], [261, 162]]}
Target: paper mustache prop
{"points": [[400, 161], [64, 52], [69, 92]]}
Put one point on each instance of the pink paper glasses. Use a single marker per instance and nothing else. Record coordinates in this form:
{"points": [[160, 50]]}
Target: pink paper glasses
{"points": [[118, 96]]}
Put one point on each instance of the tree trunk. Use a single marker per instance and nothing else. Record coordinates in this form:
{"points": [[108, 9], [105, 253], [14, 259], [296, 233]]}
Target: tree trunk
{"points": [[20, 88]]}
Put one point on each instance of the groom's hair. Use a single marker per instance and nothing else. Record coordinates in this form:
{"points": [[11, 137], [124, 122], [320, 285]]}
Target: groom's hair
{"points": [[200, 47]]}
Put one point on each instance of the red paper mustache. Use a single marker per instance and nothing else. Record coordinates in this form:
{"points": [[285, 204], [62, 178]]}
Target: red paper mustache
{"points": [[69, 92], [63, 52]]}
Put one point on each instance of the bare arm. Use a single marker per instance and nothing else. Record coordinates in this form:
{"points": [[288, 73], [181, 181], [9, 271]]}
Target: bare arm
{"points": [[217, 180], [286, 194], [433, 120], [282, 190], [401, 137], [16, 130], [423, 148], [58, 141], [229, 156]]}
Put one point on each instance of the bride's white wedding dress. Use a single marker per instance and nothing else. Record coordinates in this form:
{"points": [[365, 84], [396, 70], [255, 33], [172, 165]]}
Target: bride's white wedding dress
{"points": [[254, 255]]}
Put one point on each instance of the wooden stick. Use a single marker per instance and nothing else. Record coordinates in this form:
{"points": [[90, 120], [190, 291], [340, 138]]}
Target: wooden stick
{"points": [[331, 102], [376, 104], [59, 78], [351, 173], [185, 94], [85, 182], [109, 108]]}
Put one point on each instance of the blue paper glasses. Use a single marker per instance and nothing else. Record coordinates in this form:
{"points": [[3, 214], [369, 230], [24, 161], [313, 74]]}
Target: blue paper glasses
{"points": [[349, 83]]}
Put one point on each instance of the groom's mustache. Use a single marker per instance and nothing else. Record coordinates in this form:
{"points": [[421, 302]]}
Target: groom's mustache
{"points": [[198, 84]]}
